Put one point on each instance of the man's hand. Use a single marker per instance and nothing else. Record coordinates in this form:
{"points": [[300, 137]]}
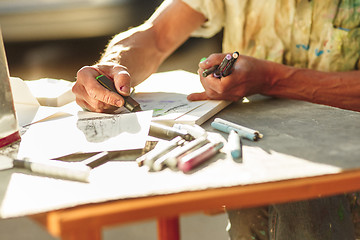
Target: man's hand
{"points": [[248, 76], [91, 96]]}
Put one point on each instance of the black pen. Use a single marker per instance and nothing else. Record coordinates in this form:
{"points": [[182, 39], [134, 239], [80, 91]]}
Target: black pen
{"points": [[130, 104], [209, 71], [224, 69]]}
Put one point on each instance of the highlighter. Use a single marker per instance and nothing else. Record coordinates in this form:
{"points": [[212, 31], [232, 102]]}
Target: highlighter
{"points": [[130, 104]]}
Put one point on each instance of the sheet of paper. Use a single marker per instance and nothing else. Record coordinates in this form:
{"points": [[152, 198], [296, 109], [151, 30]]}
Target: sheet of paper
{"points": [[21, 92], [28, 109], [86, 132], [51, 92], [166, 106], [166, 94]]}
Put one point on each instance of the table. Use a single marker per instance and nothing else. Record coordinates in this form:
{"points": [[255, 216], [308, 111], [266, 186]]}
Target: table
{"points": [[308, 151], [86, 222]]}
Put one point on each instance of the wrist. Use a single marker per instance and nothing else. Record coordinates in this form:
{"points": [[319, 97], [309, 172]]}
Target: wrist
{"points": [[276, 74], [111, 55]]}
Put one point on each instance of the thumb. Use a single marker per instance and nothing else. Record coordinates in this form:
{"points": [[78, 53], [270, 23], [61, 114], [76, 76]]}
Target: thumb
{"points": [[197, 96], [122, 82]]}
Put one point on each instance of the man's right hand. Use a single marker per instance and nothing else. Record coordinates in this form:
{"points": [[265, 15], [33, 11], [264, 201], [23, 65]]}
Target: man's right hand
{"points": [[90, 95]]}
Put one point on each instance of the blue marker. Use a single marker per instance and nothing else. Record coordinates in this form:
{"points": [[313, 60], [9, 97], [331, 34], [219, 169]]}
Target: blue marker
{"points": [[235, 145], [257, 134], [225, 128]]}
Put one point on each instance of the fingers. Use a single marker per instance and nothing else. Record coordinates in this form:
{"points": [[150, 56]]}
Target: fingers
{"points": [[213, 59], [120, 75], [215, 88], [197, 96], [122, 82], [92, 96]]}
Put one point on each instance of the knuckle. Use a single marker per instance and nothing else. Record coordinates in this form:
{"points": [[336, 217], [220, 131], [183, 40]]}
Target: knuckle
{"points": [[75, 89], [81, 71], [108, 99], [221, 89]]}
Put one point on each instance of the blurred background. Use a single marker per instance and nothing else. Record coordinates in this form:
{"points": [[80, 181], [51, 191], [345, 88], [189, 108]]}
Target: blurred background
{"points": [[54, 39]]}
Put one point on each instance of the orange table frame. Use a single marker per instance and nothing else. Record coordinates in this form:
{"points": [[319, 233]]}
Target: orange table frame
{"points": [[87, 221]]}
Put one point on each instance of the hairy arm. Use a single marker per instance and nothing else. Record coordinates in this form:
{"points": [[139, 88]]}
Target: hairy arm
{"points": [[338, 89], [144, 48], [256, 76], [132, 56]]}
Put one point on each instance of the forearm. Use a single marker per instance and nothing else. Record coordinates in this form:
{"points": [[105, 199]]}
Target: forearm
{"points": [[134, 49], [142, 49], [339, 89]]}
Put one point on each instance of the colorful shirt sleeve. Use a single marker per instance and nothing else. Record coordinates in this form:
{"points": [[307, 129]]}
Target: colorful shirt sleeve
{"points": [[213, 10]]}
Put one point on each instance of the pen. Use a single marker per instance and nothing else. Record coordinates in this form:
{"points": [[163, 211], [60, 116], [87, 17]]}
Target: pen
{"points": [[193, 159], [170, 158], [130, 104], [167, 132], [235, 145], [225, 128], [237, 126]]}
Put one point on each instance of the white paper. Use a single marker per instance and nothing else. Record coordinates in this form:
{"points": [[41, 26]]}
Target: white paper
{"points": [[86, 132], [51, 92], [21, 92], [166, 93], [28, 109]]}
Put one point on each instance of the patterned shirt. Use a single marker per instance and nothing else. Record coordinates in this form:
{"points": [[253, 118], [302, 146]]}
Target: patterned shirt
{"points": [[317, 34]]}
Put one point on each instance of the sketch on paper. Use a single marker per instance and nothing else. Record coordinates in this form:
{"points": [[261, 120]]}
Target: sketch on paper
{"points": [[163, 103], [101, 128]]}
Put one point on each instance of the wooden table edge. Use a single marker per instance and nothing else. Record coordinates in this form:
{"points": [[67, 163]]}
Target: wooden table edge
{"points": [[99, 215]]}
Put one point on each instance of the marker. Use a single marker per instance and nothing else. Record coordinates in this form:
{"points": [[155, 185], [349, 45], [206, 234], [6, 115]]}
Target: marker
{"points": [[149, 145], [170, 158], [222, 66], [227, 69], [52, 168], [140, 160], [235, 145], [161, 150], [224, 69], [257, 134], [129, 103], [193, 159], [195, 130], [209, 71], [167, 132], [225, 128]]}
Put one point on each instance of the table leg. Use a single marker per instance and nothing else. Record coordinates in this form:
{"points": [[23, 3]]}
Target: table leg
{"points": [[88, 234], [168, 228]]}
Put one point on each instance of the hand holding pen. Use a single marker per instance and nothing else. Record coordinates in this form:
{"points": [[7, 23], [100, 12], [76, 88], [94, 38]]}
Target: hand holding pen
{"points": [[218, 75], [95, 97], [225, 67]]}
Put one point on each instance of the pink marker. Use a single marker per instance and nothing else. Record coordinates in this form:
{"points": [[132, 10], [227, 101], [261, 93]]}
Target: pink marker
{"points": [[199, 156]]}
